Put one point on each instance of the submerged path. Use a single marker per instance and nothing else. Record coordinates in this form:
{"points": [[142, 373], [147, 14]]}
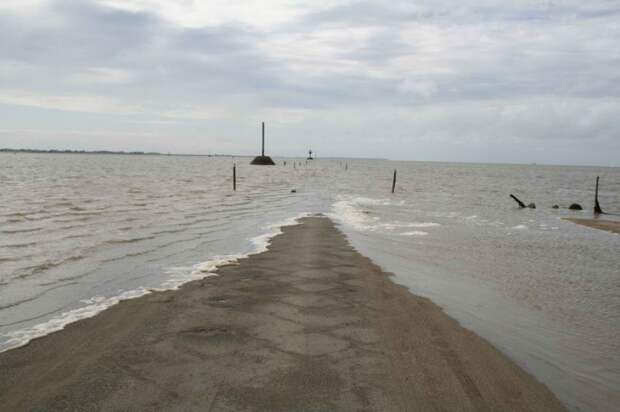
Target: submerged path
{"points": [[310, 325]]}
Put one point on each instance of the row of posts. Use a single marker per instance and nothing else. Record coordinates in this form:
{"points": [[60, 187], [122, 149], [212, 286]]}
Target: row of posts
{"points": [[346, 167], [597, 206], [574, 206]]}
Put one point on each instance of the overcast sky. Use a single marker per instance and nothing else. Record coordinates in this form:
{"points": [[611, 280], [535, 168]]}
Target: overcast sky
{"points": [[482, 80]]}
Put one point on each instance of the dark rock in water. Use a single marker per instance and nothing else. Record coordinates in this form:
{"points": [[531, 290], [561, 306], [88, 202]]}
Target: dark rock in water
{"points": [[262, 160], [575, 206], [532, 205], [555, 206], [294, 191]]}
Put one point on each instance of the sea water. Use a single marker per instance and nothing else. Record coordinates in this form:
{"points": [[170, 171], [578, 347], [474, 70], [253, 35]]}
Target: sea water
{"points": [[79, 233]]}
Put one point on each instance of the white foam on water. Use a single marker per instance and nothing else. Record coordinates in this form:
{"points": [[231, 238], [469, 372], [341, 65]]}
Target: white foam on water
{"points": [[94, 306], [414, 233], [178, 276], [520, 227], [423, 224], [370, 201], [349, 212], [352, 213], [93, 300], [399, 225]]}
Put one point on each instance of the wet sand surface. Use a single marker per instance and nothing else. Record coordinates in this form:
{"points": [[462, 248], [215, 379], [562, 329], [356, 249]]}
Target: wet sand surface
{"points": [[601, 224], [310, 325]]}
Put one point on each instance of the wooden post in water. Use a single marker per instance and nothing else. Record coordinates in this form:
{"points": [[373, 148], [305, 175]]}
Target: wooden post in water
{"points": [[394, 181], [234, 177], [597, 207], [520, 203]]}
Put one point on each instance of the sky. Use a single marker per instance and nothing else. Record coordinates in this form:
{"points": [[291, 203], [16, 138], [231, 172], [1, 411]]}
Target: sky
{"points": [[473, 81]]}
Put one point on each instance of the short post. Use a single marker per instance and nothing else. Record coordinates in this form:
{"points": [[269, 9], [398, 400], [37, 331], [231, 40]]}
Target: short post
{"points": [[234, 177], [520, 203], [394, 181], [346, 166], [597, 207]]}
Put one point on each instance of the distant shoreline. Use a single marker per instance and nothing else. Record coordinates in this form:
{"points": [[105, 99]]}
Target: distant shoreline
{"points": [[137, 153], [302, 157], [107, 152]]}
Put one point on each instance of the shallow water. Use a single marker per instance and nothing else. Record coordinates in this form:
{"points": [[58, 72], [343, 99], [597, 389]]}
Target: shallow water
{"points": [[80, 232]]}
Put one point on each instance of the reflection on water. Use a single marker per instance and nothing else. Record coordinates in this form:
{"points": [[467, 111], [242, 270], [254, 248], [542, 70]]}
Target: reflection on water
{"points": [[80, 232]]}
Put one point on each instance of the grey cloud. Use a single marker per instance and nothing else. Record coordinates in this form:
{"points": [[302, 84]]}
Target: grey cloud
{"points": [[363, 70], [85, 34], [169, 62]]}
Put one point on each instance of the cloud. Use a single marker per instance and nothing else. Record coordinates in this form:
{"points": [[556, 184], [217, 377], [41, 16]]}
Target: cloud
{"points": [[249, 13], [104, 75], [424, 88], [73, 103], [340, 71]]}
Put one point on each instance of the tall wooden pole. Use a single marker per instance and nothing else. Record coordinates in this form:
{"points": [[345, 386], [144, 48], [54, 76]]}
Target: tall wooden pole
{"points": [[262, 159], [394, 181], [263, 150], [597, 207], [234, 177]]}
